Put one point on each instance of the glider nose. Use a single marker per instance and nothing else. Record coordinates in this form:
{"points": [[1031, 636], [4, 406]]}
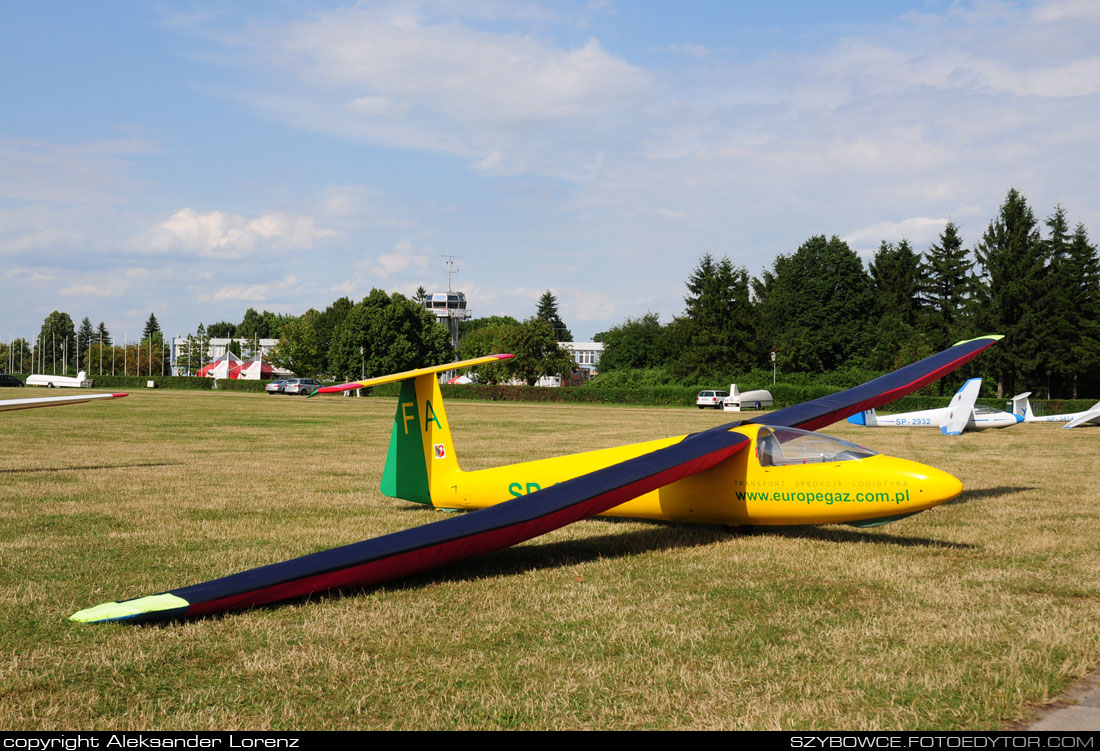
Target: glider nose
{"points": [[937, 487]]}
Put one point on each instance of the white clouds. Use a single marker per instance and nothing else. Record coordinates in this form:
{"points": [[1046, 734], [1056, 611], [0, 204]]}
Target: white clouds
{"points": [[23, 275], [254, 293], [220, 235], [378, 106], [692, 50], [920, 231], [88, 172], [497, 99], [403, 257]]}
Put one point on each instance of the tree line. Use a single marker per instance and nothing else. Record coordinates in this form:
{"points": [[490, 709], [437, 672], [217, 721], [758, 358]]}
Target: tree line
{"points": [[61, 348], [819, 309], [389, 333]]}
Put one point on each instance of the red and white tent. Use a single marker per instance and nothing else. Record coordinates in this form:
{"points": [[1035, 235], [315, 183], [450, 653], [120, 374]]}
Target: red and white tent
{"points": [[257, 369], [226, 366]]}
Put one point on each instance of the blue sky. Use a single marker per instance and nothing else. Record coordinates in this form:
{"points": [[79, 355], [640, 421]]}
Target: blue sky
{"points": [[193, 161]]}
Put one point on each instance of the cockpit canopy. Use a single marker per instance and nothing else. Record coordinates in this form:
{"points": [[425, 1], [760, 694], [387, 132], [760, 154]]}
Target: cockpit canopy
{"points": [[983, 410], [779, 445]]}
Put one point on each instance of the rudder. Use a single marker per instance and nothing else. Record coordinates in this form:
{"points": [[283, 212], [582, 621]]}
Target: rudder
{"points": [[421, 453]]}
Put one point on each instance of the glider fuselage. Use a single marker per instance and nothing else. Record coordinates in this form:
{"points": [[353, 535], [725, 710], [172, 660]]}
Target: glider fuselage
{"points": [[785, 476], [982, 419]]}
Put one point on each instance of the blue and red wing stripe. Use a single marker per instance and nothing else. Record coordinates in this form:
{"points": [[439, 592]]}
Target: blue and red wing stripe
{"points": [[826, 410], [432, 545]]}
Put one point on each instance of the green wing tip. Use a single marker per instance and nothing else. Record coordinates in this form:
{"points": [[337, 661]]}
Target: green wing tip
{"points": [[994, 337], [114, 611]]}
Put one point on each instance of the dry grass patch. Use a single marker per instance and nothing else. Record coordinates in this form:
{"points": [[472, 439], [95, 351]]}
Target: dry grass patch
{"points": [[961, 617]]}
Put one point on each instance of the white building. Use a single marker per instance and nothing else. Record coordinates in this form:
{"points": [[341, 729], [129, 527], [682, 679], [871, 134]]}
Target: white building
{"points": [[585, 354]]}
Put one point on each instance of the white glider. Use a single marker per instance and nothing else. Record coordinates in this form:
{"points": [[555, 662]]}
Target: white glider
{"points": [[52, 401], [961, 414], [1021, 406]]}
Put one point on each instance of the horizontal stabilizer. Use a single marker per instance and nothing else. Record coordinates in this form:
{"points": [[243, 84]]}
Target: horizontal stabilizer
{"points": [[410, 374], [866, 417]]}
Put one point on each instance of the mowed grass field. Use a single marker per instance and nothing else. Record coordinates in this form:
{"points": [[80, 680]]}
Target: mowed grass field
{"points": [[967, 616]]}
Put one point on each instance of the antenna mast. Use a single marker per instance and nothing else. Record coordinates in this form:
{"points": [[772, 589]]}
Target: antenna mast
{"points": [[451, 270]]}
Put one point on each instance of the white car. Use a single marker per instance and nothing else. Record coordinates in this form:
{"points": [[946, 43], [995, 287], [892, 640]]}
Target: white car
{"points": [[711, 399]]}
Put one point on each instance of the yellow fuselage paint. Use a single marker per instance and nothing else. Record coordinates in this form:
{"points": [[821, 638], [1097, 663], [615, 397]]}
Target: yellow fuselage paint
{"points": [[738, 491]]}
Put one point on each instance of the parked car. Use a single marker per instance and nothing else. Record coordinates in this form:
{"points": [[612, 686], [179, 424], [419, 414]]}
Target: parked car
{"points": [[10, 380], [301, 386], [275, 387], [711, 399]]}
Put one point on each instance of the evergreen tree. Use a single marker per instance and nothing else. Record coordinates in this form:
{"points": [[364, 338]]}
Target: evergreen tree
{"points": [[1060, 322], [548, 311], [717, 330], [945, 290], [84, 338], [103, 335], [1081, 276], [151, 327], [895, 282], [1012, 263], [895, 287]]}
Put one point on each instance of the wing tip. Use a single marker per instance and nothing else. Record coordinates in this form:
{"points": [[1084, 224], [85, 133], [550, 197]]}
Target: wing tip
{"points": [[159, 606], [991, 337]]}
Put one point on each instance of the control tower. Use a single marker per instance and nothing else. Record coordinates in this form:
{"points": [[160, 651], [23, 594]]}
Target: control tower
{"points": [[449, 307]]}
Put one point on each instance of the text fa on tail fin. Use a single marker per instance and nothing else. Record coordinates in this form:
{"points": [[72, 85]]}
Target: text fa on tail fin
{"points": [[1021, 406], [961, 409], [421, 455]]}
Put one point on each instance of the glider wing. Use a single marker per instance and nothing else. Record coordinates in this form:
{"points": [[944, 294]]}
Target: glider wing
{"points": [[52, 401], [432, 545], [826, 410], [961, 408], [410, 374], [1091, 415]]}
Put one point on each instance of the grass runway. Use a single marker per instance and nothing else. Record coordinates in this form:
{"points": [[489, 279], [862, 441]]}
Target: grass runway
{"points": [[964, 617]]}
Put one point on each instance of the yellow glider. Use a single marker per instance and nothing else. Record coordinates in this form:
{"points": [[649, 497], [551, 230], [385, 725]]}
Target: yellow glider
{"points": [[791, 476]]}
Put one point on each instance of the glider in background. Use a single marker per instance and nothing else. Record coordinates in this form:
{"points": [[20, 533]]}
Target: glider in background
{"points": [[962, 414], [54, 381], [790, 476], [52, 401], [1021, 406]]}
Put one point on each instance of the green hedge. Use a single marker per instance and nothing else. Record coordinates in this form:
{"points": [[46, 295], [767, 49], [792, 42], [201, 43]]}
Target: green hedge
{"points": [[785, 395], [137, 383]]}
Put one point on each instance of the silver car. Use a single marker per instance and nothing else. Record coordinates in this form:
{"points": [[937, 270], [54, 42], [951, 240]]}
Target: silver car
{"points": [[304, 386]]}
